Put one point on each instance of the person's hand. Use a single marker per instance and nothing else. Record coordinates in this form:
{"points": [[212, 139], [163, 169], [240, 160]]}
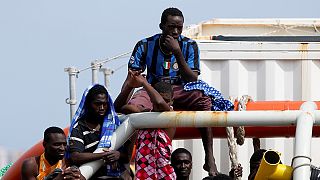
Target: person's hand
{"points": [[69, 173], [141, 79], [135, 79], [171, 44], [111, 156], [236, 172], [130, 80]]}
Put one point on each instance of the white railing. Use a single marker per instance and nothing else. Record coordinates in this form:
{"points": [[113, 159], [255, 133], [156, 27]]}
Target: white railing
{"points": [[95, 67], [304, 119]]}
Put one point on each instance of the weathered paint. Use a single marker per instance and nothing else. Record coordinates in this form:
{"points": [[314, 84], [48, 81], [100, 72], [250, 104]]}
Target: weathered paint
{"points": [[304, 50]]}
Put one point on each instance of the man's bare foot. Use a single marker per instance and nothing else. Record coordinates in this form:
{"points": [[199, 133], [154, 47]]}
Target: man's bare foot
{"points": [[211, 171]]}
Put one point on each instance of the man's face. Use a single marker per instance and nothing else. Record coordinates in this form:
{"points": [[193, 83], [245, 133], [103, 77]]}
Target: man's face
{"points": [[99, 105], [56, 147], [173, 26], [182, 164]]}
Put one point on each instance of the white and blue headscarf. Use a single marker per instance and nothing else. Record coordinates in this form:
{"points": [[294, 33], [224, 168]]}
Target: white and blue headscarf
{"points": [[218, 101], [110, 122]]}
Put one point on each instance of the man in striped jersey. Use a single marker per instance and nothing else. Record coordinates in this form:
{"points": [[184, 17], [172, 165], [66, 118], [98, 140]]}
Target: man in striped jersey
{"points": [[172, 58]]}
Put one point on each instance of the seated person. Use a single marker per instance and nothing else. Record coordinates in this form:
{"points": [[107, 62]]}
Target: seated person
{"points": [[173, 58], [154, 146], [50, 165], [94, 120], [181, 161]]}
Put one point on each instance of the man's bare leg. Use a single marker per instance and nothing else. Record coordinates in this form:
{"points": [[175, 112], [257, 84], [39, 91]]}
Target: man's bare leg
{"points": [[207, 141]]}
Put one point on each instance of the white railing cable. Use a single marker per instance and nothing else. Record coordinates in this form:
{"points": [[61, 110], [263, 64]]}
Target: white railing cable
{"points": [[101, 62], [95, 67]]}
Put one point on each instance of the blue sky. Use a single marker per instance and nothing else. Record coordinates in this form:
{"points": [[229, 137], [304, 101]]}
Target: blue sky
{"points": [[39, 38]]}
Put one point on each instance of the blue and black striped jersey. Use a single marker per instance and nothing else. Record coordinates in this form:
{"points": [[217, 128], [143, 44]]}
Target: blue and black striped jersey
{"points": [[147, 54]]}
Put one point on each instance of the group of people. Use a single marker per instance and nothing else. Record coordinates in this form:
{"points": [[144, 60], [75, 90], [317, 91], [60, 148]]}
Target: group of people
{"points": [[52, 164], [171, 83]]}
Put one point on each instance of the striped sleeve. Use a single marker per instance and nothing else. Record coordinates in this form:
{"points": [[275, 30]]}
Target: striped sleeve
{"points": [[137, 58], [193, 57], [76, 141]]}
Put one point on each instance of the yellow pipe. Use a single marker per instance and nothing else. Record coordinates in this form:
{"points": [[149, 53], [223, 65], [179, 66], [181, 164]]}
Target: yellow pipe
{"points": [[271, 169]]}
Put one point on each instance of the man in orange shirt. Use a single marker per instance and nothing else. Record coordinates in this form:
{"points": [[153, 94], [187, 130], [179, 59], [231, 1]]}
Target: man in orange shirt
{"points": [[50, 164]]}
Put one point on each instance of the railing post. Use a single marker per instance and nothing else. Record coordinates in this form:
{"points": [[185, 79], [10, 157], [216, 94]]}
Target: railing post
{"points": [[72, 100], [302, 146], [95, 66], [106, 72]]}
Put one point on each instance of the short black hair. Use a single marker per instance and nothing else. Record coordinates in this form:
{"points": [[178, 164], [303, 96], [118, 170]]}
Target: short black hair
{"points": [[257, 155], [170, 12], [163, 87], [51, 130], [179, 151], [218, 177], [95, 90]]}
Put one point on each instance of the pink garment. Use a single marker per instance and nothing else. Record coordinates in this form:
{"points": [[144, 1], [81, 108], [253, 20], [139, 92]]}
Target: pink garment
{"points": [[182, 100], [153, 155]]}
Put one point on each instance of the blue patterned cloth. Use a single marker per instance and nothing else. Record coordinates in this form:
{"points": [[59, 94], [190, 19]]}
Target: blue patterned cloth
{"points": [[110, 124], [218, 101]]}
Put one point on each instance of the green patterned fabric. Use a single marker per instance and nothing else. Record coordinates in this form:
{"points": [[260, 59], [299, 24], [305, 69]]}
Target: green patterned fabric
{"points": [[5, 169]]}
